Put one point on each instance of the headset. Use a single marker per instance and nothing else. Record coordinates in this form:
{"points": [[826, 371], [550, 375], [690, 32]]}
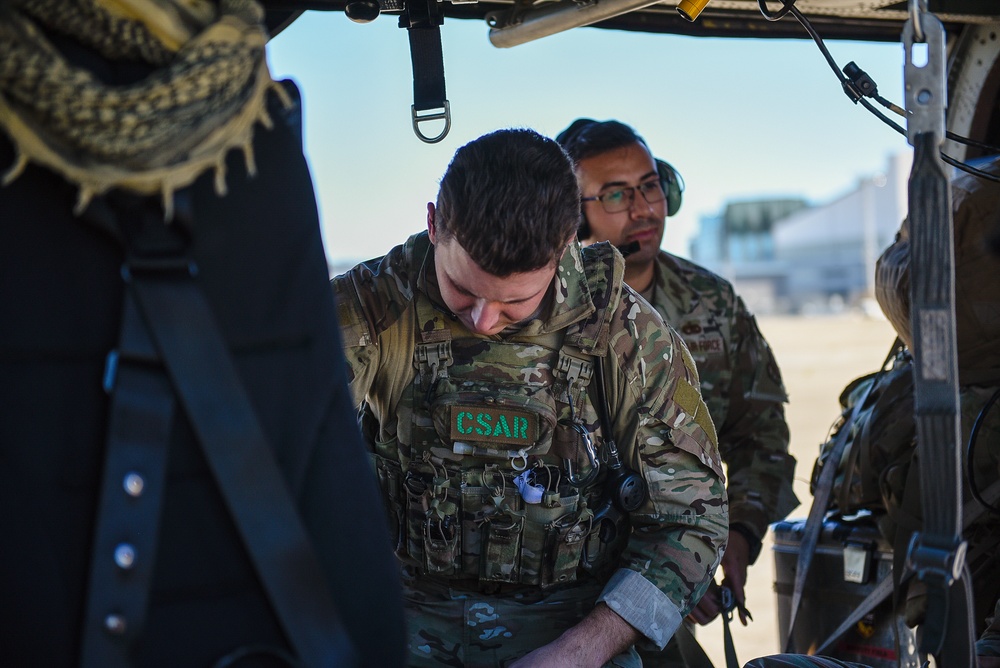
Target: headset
{"points": [[670, 179], [672, 183]]}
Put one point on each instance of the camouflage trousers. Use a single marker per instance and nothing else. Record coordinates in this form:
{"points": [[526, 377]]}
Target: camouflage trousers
{"points": [[800, 661], [454, 626]]}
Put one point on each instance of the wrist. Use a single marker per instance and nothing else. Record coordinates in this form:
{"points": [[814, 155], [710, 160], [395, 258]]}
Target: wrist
{"points": [[599, 637], [753, 541]]}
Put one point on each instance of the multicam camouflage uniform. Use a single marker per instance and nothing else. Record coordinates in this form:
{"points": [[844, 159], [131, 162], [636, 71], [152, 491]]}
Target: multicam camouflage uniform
{"points": [[452, 419], [741, 385]]}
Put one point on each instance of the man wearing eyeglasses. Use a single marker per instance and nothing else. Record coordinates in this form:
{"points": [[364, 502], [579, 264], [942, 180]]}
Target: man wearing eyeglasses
{"points": [[545, 455], [626, 198]]}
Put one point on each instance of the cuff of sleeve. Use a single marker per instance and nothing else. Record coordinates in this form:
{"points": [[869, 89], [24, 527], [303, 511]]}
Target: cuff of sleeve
{"points": [[637, 600], [753, 540]]}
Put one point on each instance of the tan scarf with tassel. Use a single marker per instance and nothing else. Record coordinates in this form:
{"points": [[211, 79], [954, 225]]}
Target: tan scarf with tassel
{"points": [[156, 136]]}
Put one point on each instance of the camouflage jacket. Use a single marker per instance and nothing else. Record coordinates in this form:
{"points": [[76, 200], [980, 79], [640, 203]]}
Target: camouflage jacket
{"points": [[741, 384], [659, 419]]}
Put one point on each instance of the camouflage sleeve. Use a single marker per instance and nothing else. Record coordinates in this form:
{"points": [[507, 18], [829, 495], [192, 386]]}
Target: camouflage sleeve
{"points": [[753, 439], [357, 335], [667, 435]]}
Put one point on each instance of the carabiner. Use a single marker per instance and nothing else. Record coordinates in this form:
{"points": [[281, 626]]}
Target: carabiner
{"points": [[588, 444]]}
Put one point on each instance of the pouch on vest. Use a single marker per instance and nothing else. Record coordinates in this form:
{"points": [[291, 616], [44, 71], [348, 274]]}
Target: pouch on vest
{"points": [[433, 524], [490, 506]]}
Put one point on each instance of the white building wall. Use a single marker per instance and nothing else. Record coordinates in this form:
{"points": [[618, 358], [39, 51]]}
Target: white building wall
{"points": [[830, 251]]}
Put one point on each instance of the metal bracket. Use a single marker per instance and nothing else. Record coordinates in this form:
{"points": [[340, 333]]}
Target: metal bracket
{"points": [[926, 97]]}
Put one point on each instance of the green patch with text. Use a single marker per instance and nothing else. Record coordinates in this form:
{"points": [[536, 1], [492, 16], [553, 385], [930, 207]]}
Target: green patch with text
{"points": [[494, 424]]}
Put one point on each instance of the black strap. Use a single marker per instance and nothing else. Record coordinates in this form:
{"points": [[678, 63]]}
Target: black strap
{"points": [[427, 59], [199, 365], [142, 414], [727, 632], [937, 552], [692, 653], [167, 319], [422, 20]]}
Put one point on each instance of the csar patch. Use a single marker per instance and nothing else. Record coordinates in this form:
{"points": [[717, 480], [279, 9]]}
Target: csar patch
{"points": [[494, 425]]}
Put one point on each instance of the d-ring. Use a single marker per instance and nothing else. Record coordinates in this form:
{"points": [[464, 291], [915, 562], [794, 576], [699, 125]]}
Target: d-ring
{"points": [[444, 114]]}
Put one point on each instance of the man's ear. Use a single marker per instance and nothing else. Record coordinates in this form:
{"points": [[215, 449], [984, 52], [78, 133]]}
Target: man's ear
{"points": [[430, 221]]}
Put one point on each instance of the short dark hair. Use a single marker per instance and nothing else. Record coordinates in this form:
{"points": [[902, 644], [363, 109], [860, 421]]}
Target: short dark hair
{"points": [[511, 200], [585, 138]]}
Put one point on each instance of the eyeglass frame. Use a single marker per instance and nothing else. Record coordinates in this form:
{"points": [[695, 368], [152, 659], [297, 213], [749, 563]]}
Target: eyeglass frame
{"points": [[631, 190]]}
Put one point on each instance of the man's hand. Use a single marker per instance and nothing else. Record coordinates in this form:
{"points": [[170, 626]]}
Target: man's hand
{"points": [[734, 569], [598, 637]]}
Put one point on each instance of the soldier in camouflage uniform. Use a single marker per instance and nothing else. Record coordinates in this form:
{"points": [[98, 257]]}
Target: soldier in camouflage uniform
{"points": [[627, 197], [479, 352]]}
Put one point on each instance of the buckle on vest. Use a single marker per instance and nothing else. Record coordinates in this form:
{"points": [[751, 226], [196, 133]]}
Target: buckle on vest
{"points": [[574, 369], [434, 356]]}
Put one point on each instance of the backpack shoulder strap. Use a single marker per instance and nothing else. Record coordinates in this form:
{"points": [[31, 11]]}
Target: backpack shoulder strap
{"points": [[209, 389]]}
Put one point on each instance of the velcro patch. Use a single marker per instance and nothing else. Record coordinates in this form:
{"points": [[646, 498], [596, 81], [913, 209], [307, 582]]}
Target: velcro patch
{"points": [[491, 424], [687, 396]]}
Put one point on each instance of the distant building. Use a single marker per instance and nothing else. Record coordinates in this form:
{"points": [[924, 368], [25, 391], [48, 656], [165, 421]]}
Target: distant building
{"points": [[739, 244], [784, 256], [829, 252]]}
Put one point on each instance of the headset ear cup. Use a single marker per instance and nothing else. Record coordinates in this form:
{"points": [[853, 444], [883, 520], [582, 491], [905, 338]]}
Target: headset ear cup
{"points": [[672, 184]]}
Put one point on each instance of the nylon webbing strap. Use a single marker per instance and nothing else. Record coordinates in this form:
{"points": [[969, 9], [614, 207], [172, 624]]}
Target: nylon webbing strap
{"points": [[692, 653], [936, 553], [121, 565], [422, 20], [427, 59], [727, 637], [211, 393]]}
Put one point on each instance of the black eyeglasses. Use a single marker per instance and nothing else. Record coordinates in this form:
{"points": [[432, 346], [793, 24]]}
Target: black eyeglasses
{"points": [[620, 199]]}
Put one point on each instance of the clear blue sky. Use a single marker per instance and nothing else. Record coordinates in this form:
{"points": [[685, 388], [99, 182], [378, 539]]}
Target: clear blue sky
{"points": [[739, 118]]}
